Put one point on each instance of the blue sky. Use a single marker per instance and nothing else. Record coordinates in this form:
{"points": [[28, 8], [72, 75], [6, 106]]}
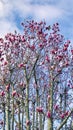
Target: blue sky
{"points": [[13, 12]]}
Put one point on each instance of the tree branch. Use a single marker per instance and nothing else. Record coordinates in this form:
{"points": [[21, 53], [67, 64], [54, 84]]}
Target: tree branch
{"points": [[34, 66], [65, 120]]}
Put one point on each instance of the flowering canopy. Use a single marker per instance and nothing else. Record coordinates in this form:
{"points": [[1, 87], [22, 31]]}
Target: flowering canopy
{"points": [[35, 76]]}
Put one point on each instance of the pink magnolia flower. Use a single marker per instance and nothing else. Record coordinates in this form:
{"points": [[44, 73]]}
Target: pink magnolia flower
{"points": [[62, 115], [65, 48], [66, 63], [56, 107], [14, 93], [59, 70], [28, 122], [21, 84], [59, 57], [1, 40], [1, 122], [21, 65], [47, 59], [2, 93], [40, 45], [2, 59], [66, 113], [66, 45], [48, 114], [7, 87], [53, 51], [5, 63], [48, 97], [72, 52], [32, 47], [39, 109], [68, 41]]}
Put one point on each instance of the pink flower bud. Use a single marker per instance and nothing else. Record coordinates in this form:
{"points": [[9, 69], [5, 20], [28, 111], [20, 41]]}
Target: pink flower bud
{"points": [[53, 51], [66, 63], [59, 57], [56, 107], [66, 113], [23, 39], [68, 41], [1, 59], [68, 84], [47, 59], [59, 70], [1, 122], [21, 84], [40, 45], [66, 45], [48, 114], [28, 122], [5, 63], [65, 49], [14, 93], [21, 65], [62, 115], [7, 87], [39, 109], [2, 93], [32, 47], [72, 52], [48, 97]]}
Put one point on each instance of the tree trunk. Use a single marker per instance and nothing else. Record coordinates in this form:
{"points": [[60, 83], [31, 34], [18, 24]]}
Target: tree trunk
{"points": [[8, 111], [23, 105], [19, 126], [4, 116], [50, 104], [12, 110], [40, 120], [36, 111], [27, 107], [33, 122]]}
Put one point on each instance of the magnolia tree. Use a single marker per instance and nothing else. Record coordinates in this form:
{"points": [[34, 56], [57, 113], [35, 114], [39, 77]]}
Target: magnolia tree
{"points": [[36, 79]]}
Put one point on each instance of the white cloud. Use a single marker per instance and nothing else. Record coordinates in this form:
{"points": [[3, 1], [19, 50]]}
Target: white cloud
{"points": [[23, 9], [5, 10], [6, 26], [1, 9], [48, 10]]}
